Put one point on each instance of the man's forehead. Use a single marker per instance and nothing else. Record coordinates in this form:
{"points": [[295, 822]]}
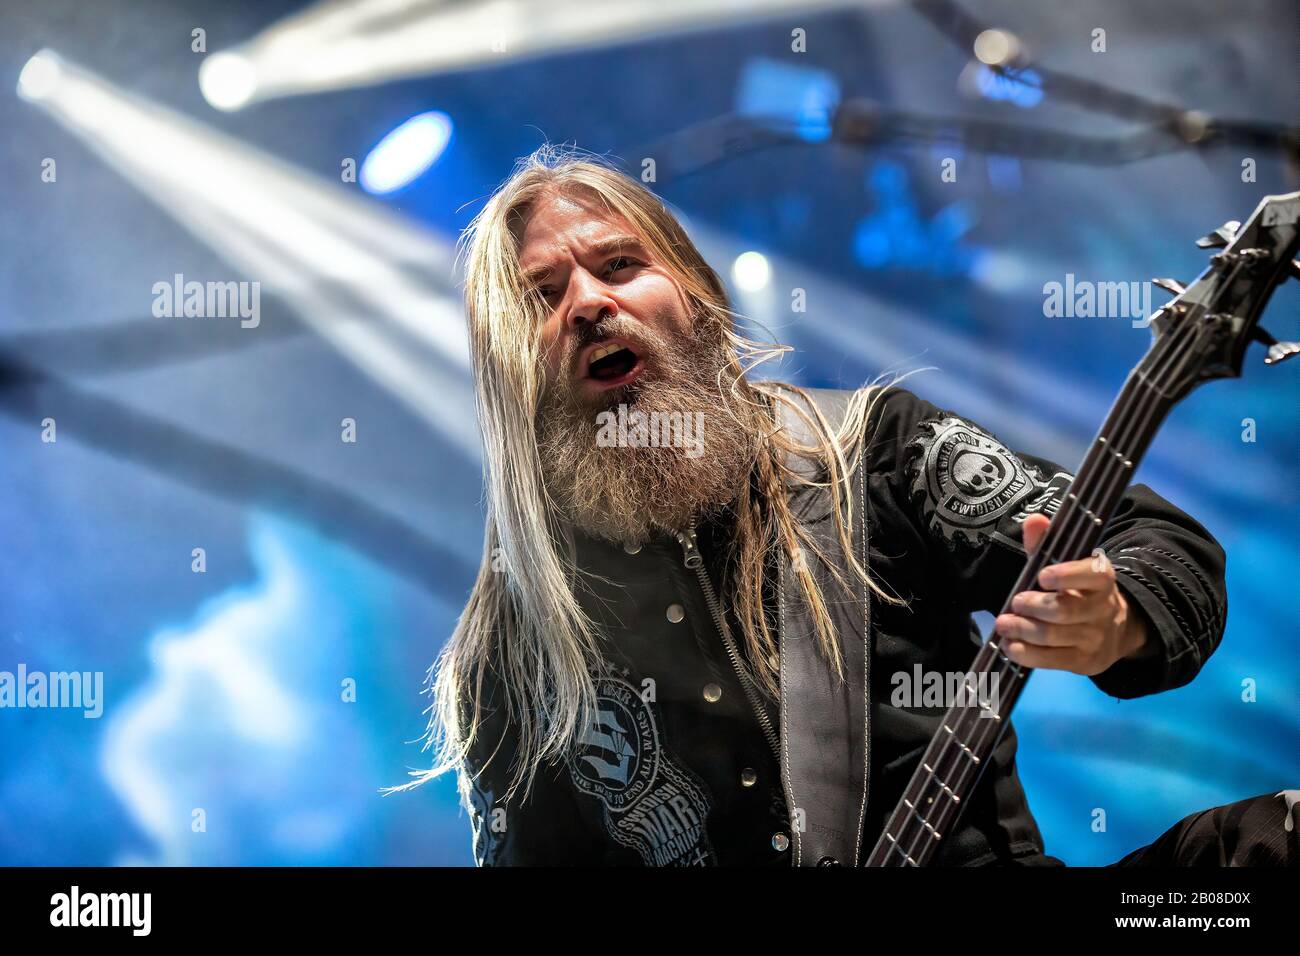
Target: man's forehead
{"points": [[561, 223]]}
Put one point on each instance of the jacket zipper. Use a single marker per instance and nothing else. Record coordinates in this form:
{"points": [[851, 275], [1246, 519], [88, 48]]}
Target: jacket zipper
{"points": [[695, 561]]}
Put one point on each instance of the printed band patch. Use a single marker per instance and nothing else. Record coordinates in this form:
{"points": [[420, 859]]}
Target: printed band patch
{"points": [[967, 483], [650, 803]]}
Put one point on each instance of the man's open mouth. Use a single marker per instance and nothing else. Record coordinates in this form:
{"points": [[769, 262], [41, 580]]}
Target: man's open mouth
{"points": [[611, 362]]}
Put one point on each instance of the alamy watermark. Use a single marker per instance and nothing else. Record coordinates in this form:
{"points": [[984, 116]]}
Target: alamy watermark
{"points": [[78, 690], [208, 300], [924, 688], [1084, 299], [638, 429], [133, 911]]}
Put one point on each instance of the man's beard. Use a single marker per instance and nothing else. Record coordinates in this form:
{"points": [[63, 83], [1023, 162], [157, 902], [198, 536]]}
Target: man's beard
{"points": [[622, 493]]}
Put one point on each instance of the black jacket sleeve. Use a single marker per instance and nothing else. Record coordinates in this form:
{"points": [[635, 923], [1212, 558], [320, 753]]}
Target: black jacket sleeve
{"points": [[969, 493]]}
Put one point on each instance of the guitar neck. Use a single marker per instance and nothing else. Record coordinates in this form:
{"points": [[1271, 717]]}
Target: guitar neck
{"points": [[962, 746]]}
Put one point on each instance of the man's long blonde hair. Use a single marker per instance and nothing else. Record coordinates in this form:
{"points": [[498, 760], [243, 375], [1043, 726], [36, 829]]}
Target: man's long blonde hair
{"points": [[523, 620]]}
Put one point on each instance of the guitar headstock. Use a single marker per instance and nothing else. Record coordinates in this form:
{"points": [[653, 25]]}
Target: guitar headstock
{"points": [[1203, 332]]}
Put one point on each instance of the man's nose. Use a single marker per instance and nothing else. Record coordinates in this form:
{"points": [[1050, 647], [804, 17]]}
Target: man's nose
{"points": [[591, 301]]}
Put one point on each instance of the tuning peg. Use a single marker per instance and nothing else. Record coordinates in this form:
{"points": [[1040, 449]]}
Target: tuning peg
{"points": [[1171, 285], [1277, 351], [1221, 236]]}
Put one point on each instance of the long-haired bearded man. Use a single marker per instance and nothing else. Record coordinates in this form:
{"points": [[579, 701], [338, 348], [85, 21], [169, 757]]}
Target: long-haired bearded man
{"points": [[698, 591]]}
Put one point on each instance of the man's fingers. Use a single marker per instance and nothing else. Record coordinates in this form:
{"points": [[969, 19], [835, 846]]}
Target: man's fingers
{"points": [[1035, 527], [1059, 607], [1049, 658], [1038, 633], [1082, 575]]}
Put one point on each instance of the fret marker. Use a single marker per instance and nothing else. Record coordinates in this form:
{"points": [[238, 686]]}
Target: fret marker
{"points": [[946, 789]]}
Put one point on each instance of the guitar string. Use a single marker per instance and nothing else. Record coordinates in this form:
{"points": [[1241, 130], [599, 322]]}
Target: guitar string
{"points": [[1112, 477], [1141, 416], [1075, 538], [937, 764]]}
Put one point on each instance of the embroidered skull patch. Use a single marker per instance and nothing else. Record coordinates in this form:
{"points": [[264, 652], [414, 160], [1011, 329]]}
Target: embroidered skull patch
{"points": [[966, 481]]}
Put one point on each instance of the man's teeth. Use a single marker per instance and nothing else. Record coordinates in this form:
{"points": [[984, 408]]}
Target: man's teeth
{"points": [[602, 351]]}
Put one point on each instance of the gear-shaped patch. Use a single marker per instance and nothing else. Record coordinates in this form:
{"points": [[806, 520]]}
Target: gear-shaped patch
{"points": [[966, 482]]}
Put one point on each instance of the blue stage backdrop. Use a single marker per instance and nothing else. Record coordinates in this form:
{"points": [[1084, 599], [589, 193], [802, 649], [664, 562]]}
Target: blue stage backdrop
{"points": [[253, 533]]}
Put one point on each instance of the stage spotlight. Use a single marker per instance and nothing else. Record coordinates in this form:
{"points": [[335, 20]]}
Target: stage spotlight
{"points": [[996, 47], [340, 44], [751, 271], [375, 286], [40, 76], [406, 153], [227, 80]]}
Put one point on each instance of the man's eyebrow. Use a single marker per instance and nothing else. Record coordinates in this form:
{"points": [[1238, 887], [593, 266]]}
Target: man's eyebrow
{"points": [[601, 247]]}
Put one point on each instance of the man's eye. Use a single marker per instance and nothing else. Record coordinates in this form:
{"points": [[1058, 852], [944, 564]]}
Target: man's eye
{"points": [[618, 263]]}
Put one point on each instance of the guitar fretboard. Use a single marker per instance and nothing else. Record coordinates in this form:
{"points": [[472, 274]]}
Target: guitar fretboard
{"points": [[972, 728]]}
